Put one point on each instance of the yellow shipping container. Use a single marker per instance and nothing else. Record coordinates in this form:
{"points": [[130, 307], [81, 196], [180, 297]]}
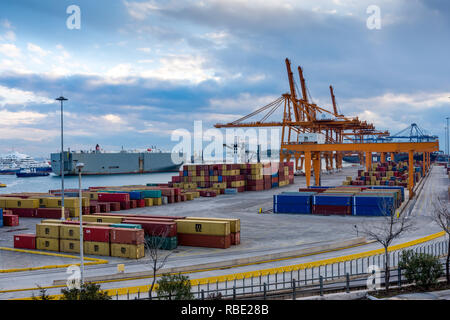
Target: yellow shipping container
{"points": [[107, 219], [157, 201], [148, 202], [47, 244], [129, 251], [47, 231], [71, 246], [55, 202], [212, 228], [22, 203], [235, 224], [97, 248], [69, 232]]}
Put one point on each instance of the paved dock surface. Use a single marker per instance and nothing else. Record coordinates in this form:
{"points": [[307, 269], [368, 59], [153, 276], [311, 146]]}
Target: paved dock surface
{"points": [[260, 234]]}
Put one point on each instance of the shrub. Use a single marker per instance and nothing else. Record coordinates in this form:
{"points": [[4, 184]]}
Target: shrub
{"points": [[174, 287], [422, 269], [88, 291]]}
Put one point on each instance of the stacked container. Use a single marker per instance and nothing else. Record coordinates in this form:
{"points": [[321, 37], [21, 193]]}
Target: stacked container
{"points": [[293, 202], [200, 233]]}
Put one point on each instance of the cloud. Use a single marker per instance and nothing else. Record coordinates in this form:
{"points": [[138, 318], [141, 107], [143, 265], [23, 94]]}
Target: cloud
{"points": [[10, 50], [13, 96], [12, 119], [35, 49]]}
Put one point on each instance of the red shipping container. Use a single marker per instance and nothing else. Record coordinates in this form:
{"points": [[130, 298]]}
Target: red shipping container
{"points": [[331, 210], [51, 213], [104, 207], [158, 227], [114, 206], [235, 238], [94, 208], [25, 241], [197, 240], [24, 212], [133, 204], [140, 203], [96, 234], [140, 216], [125, 205], [86, 210], [10, 220], [127, 236], [113, 197]]}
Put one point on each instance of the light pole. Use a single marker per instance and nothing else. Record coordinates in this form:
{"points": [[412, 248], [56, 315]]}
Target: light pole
{"points": [[446, 139], [62, 99], [79, 167]]}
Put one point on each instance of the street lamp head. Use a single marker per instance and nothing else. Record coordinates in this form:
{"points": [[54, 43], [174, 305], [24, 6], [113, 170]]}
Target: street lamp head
{"points": [[79, 166], [61, 99]]}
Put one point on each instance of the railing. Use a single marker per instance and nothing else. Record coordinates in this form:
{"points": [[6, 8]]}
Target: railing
{"points": [[335, 277]]}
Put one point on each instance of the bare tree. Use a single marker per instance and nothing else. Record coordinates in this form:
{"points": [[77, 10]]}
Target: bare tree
{"points": [[441, 215], [386, 231], [158, 256]]}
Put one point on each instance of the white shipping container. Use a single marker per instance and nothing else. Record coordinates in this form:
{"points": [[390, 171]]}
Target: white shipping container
{"points": [[318, 138]]}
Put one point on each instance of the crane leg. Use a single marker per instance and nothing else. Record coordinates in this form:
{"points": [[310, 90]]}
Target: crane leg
{"points": [[411, 173], [316, 164], [308, 168]]}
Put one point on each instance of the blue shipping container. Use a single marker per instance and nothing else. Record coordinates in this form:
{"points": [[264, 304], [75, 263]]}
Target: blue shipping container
{"points": [[360, 200], [293, 198], [1, 217], [289, 208], [230, 191], [370, 211]]}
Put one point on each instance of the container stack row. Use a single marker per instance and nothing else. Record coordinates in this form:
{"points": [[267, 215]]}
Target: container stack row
{"points": [[98, 239], [223, 178], [386, 174], [343, 200]]}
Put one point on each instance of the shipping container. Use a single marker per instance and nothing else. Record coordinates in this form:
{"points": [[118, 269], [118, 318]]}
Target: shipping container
{"points": [[69, 232], [202, 240], [164, 243], [374, 200], [25, 241], [99, 218], [127, 251], [51, 213], [97, 248], [70, 246], [292, 208], [48, 231], [214, 228], [10, 220], [331, 210], [235, 224], [50, 244], [127, 236], [24, 212], [126, 225], [157, 227], [332, 199], [235, 238], [96, 234], [113, 197]]}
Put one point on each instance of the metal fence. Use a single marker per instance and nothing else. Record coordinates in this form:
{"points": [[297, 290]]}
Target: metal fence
{"points": [[317, 280]]}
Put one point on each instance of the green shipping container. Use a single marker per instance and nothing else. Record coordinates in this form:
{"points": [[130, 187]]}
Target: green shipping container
{"points": [[166, 243], [126, 225], [150, 193]]}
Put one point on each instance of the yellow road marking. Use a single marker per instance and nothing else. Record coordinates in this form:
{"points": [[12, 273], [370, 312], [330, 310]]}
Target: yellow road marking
{"points": [[257, 273]]}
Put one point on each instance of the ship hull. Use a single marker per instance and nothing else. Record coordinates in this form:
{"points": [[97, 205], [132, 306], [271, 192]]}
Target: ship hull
{"points": [[114, 163]]}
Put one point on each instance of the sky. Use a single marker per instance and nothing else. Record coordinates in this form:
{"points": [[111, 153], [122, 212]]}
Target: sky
{"points": [[134, 71]]}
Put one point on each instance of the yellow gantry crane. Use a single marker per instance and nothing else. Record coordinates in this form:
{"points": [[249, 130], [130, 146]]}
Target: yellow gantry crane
{"points": [[300, 120]]}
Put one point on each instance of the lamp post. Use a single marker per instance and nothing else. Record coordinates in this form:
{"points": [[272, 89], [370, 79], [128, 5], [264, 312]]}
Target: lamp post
{"points": [[62, 99], [79, 167]]}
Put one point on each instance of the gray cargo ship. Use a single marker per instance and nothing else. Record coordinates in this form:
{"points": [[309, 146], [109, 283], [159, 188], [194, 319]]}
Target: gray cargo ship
{"points": [[99, 163]]}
